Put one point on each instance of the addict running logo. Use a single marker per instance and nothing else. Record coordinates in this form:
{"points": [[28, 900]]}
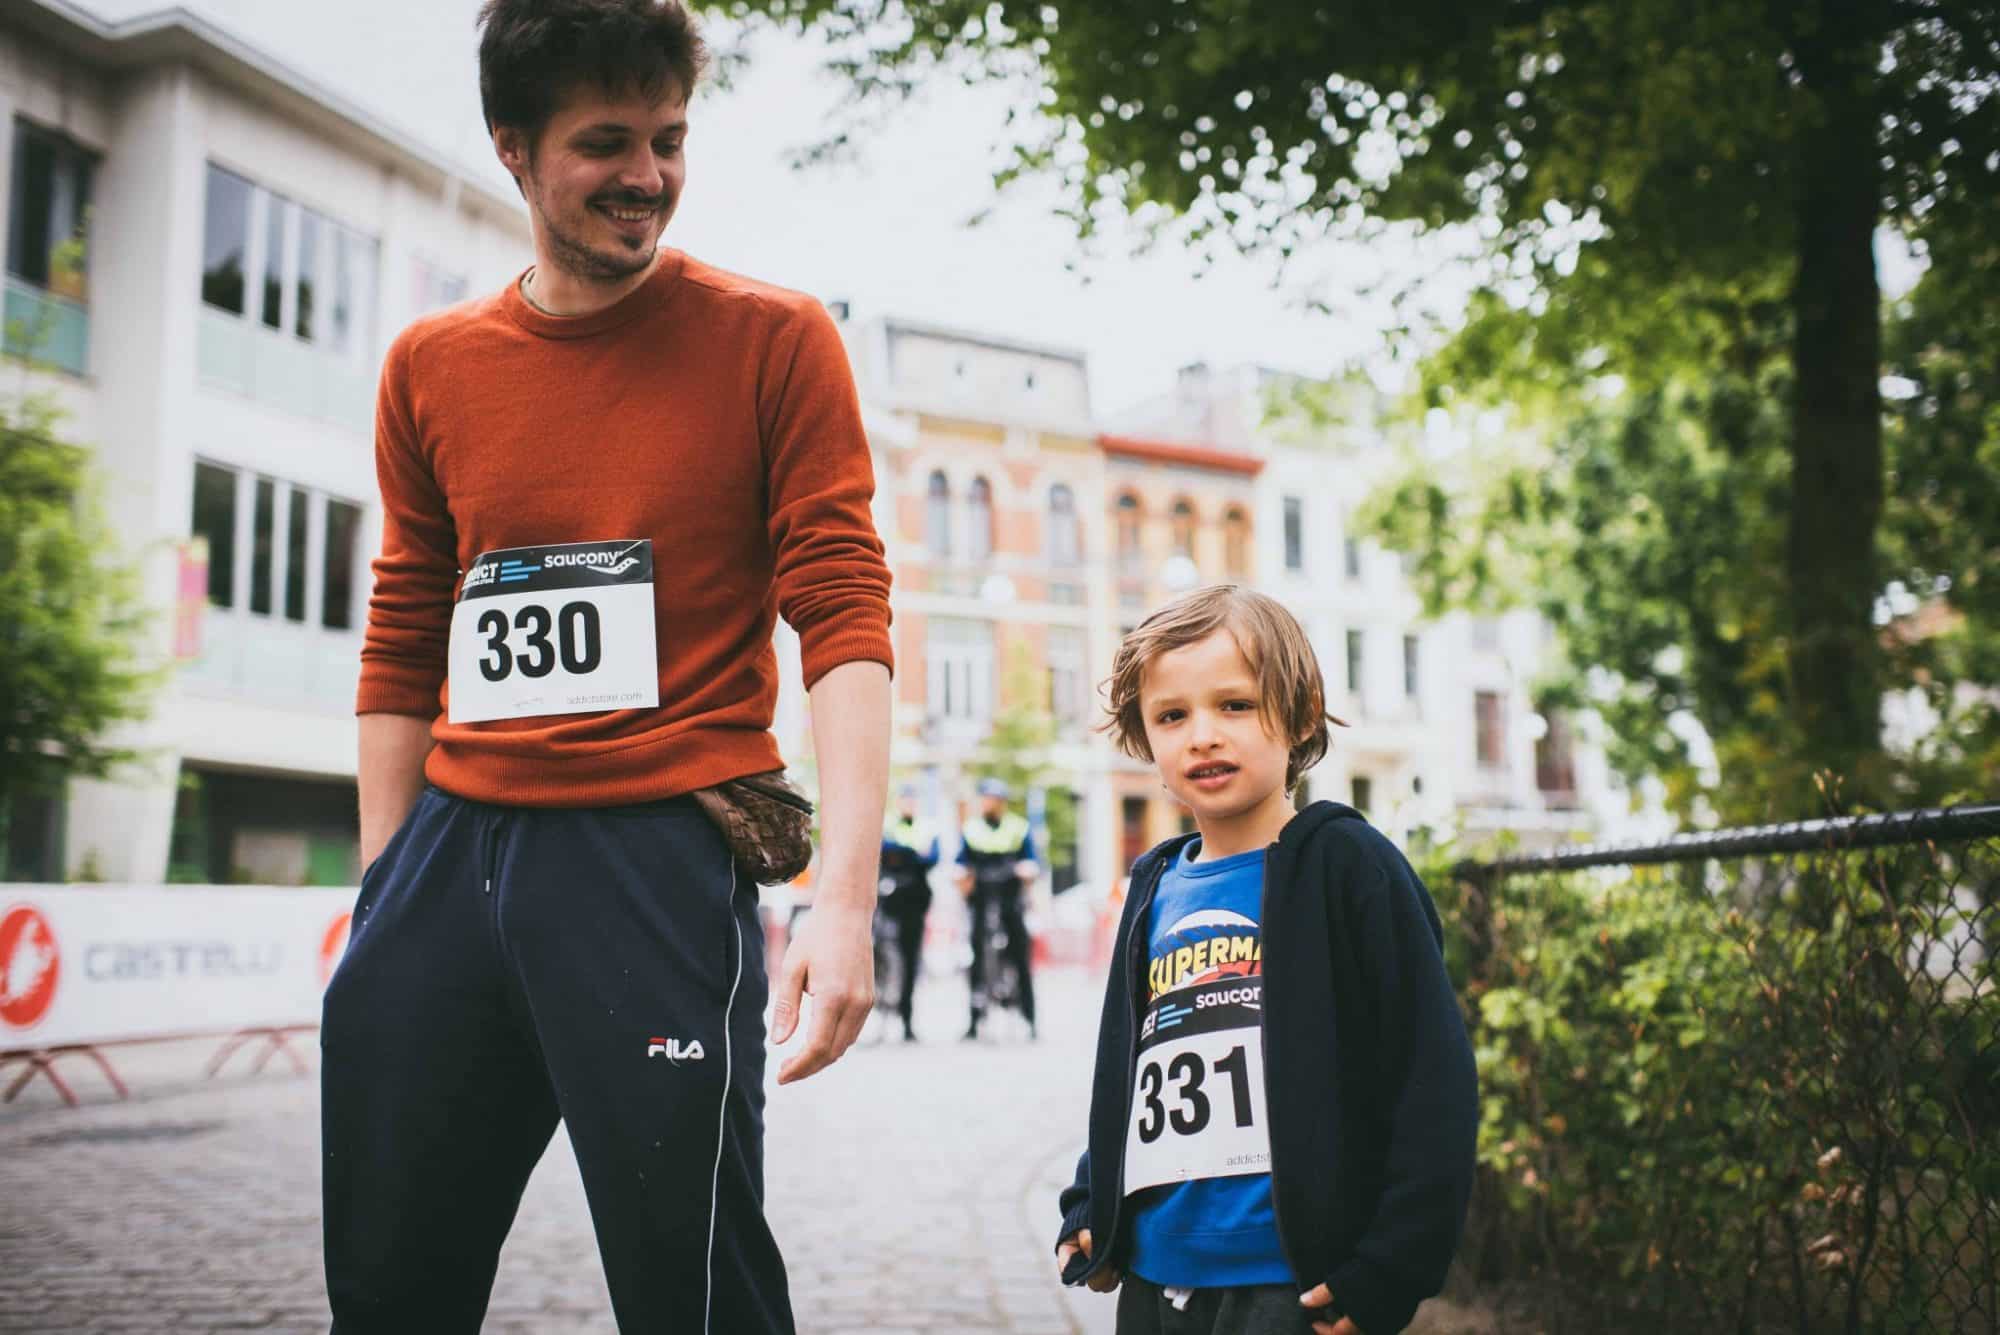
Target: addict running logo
{"points": [[674, 1051]]}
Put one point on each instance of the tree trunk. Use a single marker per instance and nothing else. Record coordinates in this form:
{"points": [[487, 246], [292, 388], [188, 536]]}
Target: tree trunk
{"points": [[1837, 484]]}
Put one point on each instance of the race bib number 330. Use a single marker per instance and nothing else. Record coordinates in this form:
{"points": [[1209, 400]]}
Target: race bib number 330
{"points": [[565, 629], [1198, 1094]]}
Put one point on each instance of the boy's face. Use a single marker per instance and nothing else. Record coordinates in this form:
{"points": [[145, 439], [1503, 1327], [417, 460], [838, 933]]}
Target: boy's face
{"points": [[1199, 703], [602, 178]]}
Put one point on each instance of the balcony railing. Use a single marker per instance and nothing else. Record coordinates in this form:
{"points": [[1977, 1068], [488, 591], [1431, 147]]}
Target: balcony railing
{"points": [[276, 369], [274, 661], [46, 327]]}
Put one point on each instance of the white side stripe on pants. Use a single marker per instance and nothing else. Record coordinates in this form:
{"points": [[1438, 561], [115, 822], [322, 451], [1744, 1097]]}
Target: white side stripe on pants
{"points": [[722, 1116]]}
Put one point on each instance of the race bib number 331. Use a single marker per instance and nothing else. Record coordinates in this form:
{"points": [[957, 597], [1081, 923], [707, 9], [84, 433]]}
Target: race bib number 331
{"points": [[1198, 1092], [565, 629]]}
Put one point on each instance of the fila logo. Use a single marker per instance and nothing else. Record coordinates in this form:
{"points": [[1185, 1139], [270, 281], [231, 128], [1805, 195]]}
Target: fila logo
{"points": [[674, 1050]]}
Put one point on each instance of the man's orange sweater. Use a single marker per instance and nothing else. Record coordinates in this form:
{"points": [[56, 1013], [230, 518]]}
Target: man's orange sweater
{"points": [[711, 414]]}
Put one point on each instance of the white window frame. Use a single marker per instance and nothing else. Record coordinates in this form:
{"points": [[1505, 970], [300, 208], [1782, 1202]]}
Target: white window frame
{"points": [[959, 656], [244, 520], [351, 344], [1069, 673]]}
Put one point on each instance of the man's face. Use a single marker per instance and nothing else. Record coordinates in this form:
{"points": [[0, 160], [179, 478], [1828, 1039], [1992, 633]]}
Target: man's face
{"points": [[906, 807], [602, 178], [992, 808]]}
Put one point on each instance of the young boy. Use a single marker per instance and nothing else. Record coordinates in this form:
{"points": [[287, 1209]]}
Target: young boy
{"points": [[1283, 1115]]}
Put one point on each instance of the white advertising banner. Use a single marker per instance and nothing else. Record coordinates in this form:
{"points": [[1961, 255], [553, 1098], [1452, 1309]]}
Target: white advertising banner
{"points": [[100, 964]]}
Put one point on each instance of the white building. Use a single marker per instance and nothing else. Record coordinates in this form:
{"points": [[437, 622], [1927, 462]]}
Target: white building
{"points": [[253, 243], [1445, 732]]}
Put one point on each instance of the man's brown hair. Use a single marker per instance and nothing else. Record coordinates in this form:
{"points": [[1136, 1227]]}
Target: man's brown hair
{"points": [[1291, 696], [532, 51]]}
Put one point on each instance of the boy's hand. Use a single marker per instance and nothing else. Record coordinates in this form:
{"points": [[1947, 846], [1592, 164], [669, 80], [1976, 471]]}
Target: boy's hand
{"points": [[1320, 1296], [1104, 1281]]}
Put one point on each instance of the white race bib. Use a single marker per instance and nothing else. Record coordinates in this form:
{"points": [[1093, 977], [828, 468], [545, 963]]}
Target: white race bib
{"points": [[1198, 1105], [566, 629]]}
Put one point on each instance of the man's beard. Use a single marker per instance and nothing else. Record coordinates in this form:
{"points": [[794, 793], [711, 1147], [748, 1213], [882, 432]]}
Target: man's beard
{"points": [[579, 260]]}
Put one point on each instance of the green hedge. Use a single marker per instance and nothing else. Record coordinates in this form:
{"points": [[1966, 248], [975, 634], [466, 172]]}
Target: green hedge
{"points": [[1738, 1095]]}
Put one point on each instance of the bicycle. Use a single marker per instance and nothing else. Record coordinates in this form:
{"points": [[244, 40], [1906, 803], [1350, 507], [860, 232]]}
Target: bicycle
{"points": [[1000, 984]]}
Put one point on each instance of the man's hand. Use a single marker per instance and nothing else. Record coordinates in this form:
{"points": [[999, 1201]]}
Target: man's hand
{"points": [[833, 959], [965, 884], [1103, 1281], [389, 774], [1322, 1296]]}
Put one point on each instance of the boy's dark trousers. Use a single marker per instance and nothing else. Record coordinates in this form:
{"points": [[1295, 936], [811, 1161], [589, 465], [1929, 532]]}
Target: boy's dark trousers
{"points": [[1253, 1309], [1004, 900], [508, 967]]}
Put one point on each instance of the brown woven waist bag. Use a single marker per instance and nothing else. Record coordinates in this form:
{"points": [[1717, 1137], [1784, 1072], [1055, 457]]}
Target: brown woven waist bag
{"points": [[766, 822]]}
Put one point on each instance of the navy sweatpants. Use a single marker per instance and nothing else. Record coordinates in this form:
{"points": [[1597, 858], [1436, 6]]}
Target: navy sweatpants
{"points": [[511, 966]]}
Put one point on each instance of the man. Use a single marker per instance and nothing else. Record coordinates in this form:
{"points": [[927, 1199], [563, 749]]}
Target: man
{"points": [[600, 487], [996, 859], [909, 851]]}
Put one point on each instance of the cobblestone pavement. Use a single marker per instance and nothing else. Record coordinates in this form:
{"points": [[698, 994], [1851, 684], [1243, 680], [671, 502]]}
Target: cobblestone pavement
{"points": [[911, 1187]]}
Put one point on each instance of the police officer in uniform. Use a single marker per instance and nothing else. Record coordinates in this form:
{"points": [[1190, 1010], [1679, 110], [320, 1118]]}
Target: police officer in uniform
{"points": [[909, 851], [997, 864]]}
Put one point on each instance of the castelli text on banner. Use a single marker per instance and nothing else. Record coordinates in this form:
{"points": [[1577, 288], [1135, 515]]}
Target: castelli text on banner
{"points": [[97, 964]]}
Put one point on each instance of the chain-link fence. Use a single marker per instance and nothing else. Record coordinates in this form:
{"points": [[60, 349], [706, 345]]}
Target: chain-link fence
{"points": [[1746, 1081]]}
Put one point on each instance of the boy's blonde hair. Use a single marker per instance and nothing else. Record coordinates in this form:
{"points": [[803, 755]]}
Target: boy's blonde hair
{"points": [[1291, 696]]}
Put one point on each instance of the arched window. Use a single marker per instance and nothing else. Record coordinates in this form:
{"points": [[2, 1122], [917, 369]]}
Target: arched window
{"points": [[979, 520], [1065, 536], [1129, 554], [1236, 542], [937, 516], [1183, 528]]}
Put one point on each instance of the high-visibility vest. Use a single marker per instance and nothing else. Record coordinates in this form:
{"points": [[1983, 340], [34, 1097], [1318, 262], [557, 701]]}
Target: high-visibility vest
{"points": [[912, 834], [1002, 840]]}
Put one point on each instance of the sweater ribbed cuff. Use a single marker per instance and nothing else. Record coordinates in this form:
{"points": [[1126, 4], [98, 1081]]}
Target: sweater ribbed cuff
{"points": [[820, 653], [380, 693], [1073, 1222]]}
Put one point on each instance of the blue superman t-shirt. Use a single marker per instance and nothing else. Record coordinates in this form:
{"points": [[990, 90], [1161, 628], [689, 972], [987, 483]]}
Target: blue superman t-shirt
{"points": [[1211, 1232]]}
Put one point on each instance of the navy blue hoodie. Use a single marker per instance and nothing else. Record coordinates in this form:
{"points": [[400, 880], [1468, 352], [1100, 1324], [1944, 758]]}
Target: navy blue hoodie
{"points": [[1368, 1074]]}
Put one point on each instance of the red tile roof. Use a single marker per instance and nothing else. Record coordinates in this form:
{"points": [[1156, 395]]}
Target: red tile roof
{"points": [[1175, 452]]}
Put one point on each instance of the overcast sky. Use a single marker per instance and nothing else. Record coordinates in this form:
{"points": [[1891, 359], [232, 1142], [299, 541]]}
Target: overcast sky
{"points": [[886, 232]]}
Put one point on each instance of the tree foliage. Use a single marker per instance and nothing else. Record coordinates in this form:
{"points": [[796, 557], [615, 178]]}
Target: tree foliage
{"points": [[1942, 535], [1016, 750], [1683, 193], [70, 614]]}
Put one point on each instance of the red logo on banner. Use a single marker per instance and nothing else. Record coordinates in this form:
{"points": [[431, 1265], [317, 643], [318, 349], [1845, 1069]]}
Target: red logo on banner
{"points": [[29, 964], [333, 945]]}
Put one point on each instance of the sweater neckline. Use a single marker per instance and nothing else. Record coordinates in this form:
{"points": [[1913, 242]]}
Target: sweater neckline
{"points": [[1217, 866], [659, 287]]}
